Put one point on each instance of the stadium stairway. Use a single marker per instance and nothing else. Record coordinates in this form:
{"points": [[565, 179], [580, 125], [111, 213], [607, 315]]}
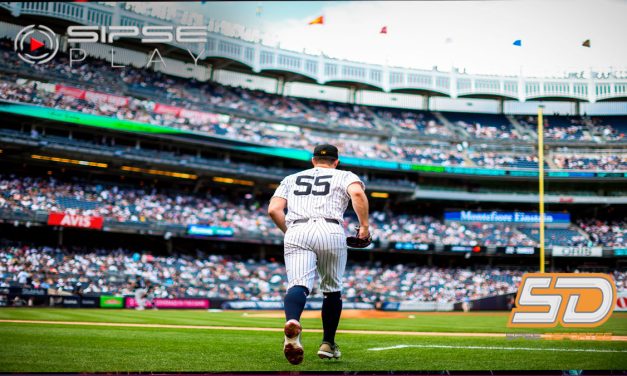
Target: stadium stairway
{"points": [[548, 159], [522, 130], [451, 127], [378, 122]]}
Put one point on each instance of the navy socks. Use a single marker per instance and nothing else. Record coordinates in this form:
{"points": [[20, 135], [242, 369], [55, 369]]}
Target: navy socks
{"points": [[331, 312], [295, 302]]}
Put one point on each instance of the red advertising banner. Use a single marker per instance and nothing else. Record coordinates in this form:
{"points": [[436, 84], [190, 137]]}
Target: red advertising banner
{"points": [[165, 109], [91, 96], [72, 220], [70, 91], [171, 303]]}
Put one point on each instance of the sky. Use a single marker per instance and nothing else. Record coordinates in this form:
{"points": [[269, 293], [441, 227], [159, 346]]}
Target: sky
{"points": [[475, 36]]}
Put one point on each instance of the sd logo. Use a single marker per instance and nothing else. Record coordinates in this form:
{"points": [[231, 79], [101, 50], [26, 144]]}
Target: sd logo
{"points": [[573, 300]]}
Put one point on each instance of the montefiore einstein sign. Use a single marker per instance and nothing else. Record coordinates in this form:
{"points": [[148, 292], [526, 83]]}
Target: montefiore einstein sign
{"points": [[507, 217]]}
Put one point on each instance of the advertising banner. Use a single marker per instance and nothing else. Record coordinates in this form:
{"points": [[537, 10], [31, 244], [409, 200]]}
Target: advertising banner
{"points": [[93, 96], [559, 251], [203, 230], [108, 301], [72, 220], [70, 91], [171, 303], [278, 305], [505, 217], [464, 248], [90, 302], [27, 291], [516, 250], [621, 302], [168, 110], [620, 252], [410, 246], [71, 302]]}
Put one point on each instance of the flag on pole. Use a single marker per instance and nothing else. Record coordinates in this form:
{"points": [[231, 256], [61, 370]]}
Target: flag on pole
{"points": [[317, 21], [586, 43], [384, 30], [518, 43], [258, 11]]}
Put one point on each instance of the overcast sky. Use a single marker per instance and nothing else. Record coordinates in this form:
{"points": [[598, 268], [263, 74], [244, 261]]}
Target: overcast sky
{"points": [[475, 35]]}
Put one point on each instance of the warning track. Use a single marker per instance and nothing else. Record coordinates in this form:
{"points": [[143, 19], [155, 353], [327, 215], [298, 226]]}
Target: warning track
{"points": [[260, 329]]}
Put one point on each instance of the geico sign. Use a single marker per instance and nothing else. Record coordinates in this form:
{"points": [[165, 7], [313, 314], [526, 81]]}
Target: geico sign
{"points": [[570, 299], [69, 220], [559, 251], [148, 34]]}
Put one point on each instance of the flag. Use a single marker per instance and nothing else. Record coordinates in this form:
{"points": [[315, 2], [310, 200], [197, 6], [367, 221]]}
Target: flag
{"points": [[384, 30], [259, 10], [517, 42], [586, 43], [317, 21]]}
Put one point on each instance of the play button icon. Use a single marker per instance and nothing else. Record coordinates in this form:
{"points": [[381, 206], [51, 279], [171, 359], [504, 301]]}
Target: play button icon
{"points": [[35, 44], [30, 40]]}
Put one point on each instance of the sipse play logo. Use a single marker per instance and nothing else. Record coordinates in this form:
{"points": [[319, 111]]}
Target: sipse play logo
{"points": [[574, 300], [30, 41]]}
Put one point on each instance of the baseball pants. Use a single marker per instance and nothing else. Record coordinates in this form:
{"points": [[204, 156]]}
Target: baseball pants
{"points": [[315, 246]]}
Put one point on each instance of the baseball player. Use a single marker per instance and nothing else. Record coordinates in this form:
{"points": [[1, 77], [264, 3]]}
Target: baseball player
{"points": [[315, 241]]}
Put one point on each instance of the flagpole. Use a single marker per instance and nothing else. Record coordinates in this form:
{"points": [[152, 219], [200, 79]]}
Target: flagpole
{"points": [[541, 183]]}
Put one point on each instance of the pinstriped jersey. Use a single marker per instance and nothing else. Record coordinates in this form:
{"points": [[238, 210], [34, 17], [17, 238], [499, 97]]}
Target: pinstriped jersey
{"points": [[317, 193]]}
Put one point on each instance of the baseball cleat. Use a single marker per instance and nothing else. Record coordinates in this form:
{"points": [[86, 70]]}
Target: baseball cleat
{"points": [[292, 347], [329, 351]]}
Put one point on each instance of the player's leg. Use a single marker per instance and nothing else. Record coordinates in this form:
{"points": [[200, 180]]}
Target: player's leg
{"points": [[300, 264], [331, 264]]}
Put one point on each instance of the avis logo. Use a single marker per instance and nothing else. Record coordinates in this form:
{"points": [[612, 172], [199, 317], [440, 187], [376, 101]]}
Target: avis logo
{"points": [[573, 300], [36, 37]]}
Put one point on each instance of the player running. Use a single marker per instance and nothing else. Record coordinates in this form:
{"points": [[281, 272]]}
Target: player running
{"points": [[315, 241]]}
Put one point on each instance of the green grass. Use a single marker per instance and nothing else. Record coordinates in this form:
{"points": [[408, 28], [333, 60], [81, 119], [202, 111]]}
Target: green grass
{"points": [[64, 348]]}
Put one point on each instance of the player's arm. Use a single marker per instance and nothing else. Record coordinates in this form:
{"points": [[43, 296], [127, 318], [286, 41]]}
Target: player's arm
{"points": [[360, 205], [276, 210]]}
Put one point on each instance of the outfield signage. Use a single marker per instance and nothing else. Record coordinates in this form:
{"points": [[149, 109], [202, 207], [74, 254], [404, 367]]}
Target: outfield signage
{"points": [[620, 252], [505, 217], [411, 246], [464, 248], [203, 230], [73, 220], [170, 303], [108, 301], [516, 250], [559, 251], [278, 305], [621, 302]]}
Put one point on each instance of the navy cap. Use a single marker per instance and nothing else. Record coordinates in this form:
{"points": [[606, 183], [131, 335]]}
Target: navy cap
{"points": [[326, 150]]}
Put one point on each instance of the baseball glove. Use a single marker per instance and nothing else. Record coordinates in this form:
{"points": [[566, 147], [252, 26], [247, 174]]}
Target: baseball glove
{"points": [[357, 242]]}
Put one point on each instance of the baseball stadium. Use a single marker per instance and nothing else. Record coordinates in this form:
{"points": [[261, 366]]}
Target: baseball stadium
{"points": [[146, 182]]}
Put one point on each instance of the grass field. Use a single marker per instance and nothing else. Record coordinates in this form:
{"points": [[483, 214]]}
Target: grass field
{"points": [[248, 342]]}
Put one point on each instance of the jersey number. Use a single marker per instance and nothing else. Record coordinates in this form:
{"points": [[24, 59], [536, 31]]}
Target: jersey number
{"points": [[323, 187]]}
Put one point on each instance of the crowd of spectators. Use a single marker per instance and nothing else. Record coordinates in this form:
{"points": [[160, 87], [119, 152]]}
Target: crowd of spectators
{"points": [[101, 271], [233, 127], [610, 234], [99, 75], [591, 161], [478, 130], [248, 215], [125, 204], [426, 229]]}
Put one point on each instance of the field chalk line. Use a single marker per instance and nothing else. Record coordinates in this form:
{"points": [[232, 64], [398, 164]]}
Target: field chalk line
{"points": [[258, 329], [494, 348]]}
